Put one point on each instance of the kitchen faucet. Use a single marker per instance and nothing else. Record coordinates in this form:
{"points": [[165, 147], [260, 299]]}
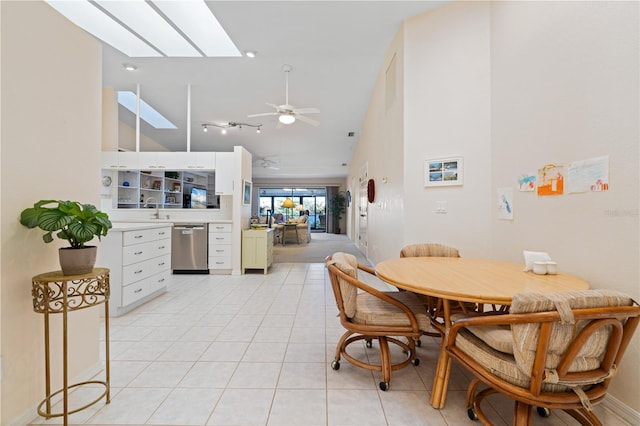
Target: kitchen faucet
{"points": [[146, 204]]}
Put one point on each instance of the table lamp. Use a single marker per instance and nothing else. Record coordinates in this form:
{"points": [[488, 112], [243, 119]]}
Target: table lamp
{"points": [[288, 204]]}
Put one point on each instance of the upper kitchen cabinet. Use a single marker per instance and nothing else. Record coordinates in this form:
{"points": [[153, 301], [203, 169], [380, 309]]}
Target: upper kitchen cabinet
{"points": [[200, 160], [224, 173], [120, 160]]}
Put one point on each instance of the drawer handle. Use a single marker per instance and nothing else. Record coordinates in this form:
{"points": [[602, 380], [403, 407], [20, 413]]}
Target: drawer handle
{"points": [[138, 271], [219, 263], [160, 233], [161, 280], [137, 291], [220, 251], [138, 236], [161, 248], [219, 227], [137, 253], [219, 238], [160, 264]]}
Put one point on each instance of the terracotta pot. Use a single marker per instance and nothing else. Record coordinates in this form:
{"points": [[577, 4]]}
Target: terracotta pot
{"points": [[76, 261]]}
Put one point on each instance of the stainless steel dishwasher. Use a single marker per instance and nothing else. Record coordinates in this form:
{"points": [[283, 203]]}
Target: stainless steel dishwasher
{"points": [[189, 248]]}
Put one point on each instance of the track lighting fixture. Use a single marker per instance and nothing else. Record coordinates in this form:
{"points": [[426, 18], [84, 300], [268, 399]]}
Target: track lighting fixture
{"points": [[230, 125]]}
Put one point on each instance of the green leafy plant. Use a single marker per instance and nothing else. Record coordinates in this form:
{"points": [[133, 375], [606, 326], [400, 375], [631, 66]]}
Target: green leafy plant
{"points": [[337, 207], [74, 222]]}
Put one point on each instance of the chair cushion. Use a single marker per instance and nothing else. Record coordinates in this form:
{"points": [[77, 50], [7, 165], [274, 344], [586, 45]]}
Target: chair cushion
{"points": [[372, 310], [497, 337], [427, 250], [348, 264], [525, 336], [499, 363]]}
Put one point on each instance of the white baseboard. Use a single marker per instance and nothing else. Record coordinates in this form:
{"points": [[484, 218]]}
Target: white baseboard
{"points": [[31, 414], [622, 410]]}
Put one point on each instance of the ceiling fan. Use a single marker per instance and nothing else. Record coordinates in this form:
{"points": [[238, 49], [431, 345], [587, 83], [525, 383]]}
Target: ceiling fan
{"points": [[287, 113], [265, 163]]}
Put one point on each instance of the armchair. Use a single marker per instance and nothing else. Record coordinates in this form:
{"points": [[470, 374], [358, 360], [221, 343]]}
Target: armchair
{"points": [[551, 351], [369, 314]]}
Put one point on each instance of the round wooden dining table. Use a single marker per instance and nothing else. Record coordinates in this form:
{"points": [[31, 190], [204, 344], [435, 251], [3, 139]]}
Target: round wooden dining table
{"points": [[467, 280]]}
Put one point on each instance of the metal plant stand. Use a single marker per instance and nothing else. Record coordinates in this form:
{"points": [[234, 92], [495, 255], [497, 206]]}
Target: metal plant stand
{"points": [[55, 293]]}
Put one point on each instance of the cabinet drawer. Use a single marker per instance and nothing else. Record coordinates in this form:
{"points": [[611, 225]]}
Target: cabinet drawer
{"points": [[159, 281], [145, 235], [220, 250], [219, 227], [138, 271], [142, 288], [219, 262], [216, 238], [141, 252], [134, 292]]}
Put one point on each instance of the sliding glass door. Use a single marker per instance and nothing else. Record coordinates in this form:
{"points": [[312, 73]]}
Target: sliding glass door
{"points": [[312, 199]]}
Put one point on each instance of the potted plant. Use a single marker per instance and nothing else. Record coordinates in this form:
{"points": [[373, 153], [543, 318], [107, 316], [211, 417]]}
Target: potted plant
{"points": [[337, 207], [74, 222]]}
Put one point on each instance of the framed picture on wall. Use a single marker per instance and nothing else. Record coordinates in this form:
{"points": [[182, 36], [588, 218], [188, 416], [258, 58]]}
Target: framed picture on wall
{"points": [[246, 192], [443, 171]]}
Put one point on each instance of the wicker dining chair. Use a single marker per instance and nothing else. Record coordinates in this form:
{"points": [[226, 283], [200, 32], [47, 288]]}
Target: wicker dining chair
{"points": [[433, 304], [370, 314], [551, 351]]}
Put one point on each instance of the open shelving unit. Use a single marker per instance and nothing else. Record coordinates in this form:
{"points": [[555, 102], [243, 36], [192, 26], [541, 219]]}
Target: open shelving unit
{"points": [[164, 189]]}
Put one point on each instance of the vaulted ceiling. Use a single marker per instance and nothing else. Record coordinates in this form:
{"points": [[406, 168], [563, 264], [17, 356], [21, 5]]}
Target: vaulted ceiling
{"points": [[335, 49]]}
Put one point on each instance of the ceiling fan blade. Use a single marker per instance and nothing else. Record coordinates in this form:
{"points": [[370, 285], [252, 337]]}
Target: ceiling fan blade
{"points": [[306, 110], [262, 114], [308, 120], [273, 106]]}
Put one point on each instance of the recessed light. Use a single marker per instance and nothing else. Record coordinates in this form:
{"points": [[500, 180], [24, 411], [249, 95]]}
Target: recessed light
{"points": [[250, 54], [129, 67]]}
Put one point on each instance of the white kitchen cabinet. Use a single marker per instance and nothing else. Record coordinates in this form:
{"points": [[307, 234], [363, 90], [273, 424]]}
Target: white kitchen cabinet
{"points": [[224, 173], [140, 264], [151, 160], [119, 160], [200, 160], [220, 245], [172, 160], [257, 249]]}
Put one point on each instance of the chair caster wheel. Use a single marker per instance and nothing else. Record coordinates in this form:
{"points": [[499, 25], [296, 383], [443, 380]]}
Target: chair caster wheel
{"points": [[368, 343], [415, 362], [384, 386], [472, 414], [335, 365], [419, 343], [543, 411]]}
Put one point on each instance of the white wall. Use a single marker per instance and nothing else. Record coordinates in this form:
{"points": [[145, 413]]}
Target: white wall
{"points": [[447, 108], [565, 87], [51, 102], [512, 86], [380, 149]]}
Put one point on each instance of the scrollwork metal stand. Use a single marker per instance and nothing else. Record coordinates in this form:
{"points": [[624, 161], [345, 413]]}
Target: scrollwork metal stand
{"points": [[54, 293]]}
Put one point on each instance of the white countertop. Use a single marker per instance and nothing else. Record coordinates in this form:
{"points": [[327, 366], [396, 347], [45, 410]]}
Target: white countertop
{"points": [[131, 225]]}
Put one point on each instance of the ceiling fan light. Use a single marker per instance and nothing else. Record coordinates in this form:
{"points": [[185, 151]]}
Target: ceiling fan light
{"points": [[286, 118]]}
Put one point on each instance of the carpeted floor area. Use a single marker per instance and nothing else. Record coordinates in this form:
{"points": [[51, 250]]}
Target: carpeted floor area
{"points": [[321, 246]]}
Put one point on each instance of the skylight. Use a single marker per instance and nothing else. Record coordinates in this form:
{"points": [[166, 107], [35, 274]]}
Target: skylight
{"points": [[145, 29], [147, 113]]}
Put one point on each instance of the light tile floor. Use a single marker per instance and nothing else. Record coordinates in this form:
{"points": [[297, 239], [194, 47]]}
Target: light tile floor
{"points": [[255, 350]]}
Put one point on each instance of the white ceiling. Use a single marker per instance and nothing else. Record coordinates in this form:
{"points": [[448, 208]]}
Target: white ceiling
{"points": [[335, 49]]}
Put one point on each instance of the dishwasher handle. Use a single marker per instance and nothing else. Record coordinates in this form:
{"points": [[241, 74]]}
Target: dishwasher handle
{"points": [[190, 227]]}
